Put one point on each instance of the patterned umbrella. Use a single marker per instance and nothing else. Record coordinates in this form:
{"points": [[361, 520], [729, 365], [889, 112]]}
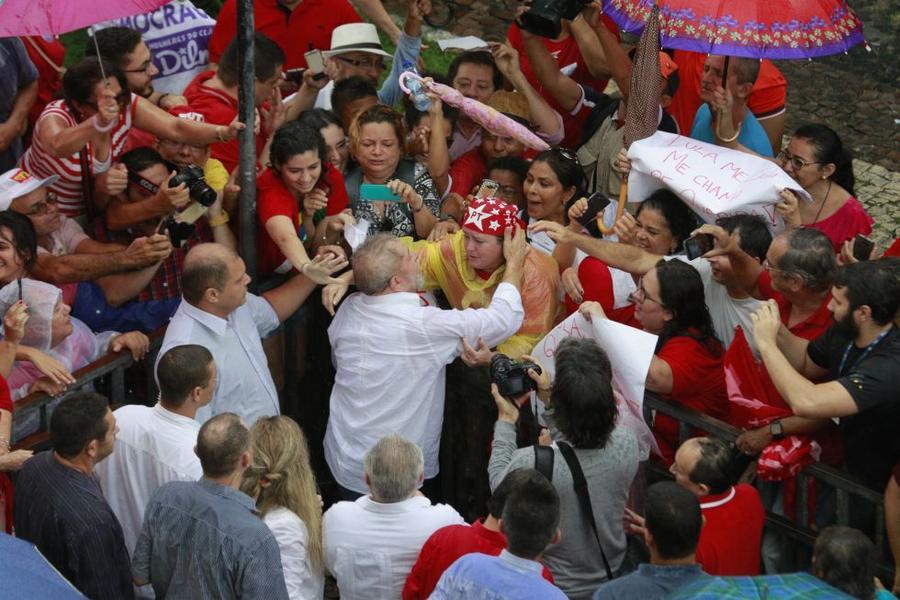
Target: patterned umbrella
{"points": [[45, 17], [775, 29]]}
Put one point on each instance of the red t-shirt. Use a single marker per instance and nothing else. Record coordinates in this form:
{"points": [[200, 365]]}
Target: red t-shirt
{"points": [[731, 537], [566, 53], [698, 382], [810, 328], [768, 96], [845, 223], [274, 199], [218, 108], [49, 77], [443, 548], [467, 171], [6, 488], [307, 27]]}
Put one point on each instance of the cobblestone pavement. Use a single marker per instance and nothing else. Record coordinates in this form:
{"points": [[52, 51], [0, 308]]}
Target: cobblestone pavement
{"points": [[857, 94]]}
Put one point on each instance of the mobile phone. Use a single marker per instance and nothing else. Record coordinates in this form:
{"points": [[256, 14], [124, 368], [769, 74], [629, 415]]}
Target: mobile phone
{"points": [[487, 189], [596, 203], [316, 63], [862, 247], [698, 245], [376, 192], [294, 76]]}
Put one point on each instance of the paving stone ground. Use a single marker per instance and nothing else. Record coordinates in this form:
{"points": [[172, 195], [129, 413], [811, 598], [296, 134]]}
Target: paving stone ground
{"points": [[858, 94]]}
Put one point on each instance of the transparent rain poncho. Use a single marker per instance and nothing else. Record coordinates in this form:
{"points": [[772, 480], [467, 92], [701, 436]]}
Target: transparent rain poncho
{"points": [[76, 350]]}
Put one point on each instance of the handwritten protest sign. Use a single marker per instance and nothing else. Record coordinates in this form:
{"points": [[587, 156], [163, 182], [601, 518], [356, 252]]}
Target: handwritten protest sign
{"points": [[712, 180], [630, 351]]}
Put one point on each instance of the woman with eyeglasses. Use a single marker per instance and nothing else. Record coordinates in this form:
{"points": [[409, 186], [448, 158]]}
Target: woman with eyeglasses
{"points": [[660, 225], [687, 366], [81, 136], [816, 159], [298, 191], [377, 137]]}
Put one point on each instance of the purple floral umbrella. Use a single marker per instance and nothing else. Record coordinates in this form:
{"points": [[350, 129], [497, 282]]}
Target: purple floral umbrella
{"points": [[773, 29]]}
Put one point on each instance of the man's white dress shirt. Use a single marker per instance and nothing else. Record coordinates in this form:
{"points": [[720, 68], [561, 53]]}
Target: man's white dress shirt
{"points": [[370, 547], [245, 385], [154, 446], [390, 353]]}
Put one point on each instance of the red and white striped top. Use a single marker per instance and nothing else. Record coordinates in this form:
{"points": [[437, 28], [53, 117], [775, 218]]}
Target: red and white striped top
{"points": [[38, 161]]}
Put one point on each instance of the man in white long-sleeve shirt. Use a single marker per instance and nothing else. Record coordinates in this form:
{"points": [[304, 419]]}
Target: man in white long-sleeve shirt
{"points": [[390, 353]]}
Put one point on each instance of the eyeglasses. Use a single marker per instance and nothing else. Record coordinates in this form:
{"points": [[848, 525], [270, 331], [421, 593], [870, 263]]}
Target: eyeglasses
{"points": [[568, 155], [42, 208], [796, 162], [375, 63], [639, 296], [144, 68]]}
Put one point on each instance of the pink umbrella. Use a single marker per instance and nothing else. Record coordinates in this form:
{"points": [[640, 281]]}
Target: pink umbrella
{"points": [[489, 118], [46, 17]]}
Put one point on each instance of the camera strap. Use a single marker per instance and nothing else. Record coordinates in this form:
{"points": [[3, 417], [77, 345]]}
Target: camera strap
{"points": [[543, 461], [584, 498]]}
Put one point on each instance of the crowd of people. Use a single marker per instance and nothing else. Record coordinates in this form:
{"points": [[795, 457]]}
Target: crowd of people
{"points": [[442, 252]]}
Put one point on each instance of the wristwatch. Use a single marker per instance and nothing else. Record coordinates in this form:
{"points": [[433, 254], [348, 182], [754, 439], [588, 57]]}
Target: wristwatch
{"points": [[776, 429]]}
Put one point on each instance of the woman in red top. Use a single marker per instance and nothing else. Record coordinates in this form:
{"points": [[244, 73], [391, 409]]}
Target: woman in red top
{"points": [[816, 159], [296, 192], [13, 329], [687, 367]]}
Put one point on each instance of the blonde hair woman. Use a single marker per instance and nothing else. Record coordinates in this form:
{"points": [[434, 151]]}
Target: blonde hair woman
{"points": [[283, 484]]}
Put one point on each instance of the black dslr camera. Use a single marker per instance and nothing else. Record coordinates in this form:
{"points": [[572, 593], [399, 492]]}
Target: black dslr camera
{"points": [[511, 376], [192, 177], [543, 18]]}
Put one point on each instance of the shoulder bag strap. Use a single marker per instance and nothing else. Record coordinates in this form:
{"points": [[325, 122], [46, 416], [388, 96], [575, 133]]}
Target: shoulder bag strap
{"points": [[584, 499], [543, 461]]}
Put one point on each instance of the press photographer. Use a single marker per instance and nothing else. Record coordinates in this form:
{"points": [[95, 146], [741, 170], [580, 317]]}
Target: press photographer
{"points": [[589, 447], [162, 197]]}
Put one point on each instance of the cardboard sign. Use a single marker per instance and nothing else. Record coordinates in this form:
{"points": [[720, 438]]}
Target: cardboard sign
{"points": [[630, 352], [712, 180]]}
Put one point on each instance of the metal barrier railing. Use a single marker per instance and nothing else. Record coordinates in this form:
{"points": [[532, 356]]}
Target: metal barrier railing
{"points": [[113, 365], [797, 529]]}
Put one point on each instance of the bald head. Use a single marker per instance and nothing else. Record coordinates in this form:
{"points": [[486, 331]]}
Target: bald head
{"points": [[205, 266], [220, 444]]}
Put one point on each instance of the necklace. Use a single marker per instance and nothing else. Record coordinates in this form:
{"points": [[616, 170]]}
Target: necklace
{"points": [[824, 202]]}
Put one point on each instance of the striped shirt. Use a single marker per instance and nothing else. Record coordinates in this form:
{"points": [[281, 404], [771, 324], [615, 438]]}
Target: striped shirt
{"points": [[63, 513], [204, 540], [39, 161]]}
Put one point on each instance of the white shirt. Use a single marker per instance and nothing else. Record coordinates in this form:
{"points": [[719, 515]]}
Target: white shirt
{"points": [[154, 446], [390, 353], [726, 312], [370, 547], [303, 582], [245, 385]]}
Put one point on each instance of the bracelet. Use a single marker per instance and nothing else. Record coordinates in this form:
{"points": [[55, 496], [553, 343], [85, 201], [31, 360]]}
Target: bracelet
{"points": [[220, 133], [220, 219], [160, 99], [101, 128], [732, 138], [447, 217]]}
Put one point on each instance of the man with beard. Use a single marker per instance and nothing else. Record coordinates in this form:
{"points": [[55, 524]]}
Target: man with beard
{"points": [[390, 353], [860, 355]]}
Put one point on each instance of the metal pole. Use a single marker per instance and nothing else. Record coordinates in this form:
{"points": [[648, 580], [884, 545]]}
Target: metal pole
{"points": [[247, 139]]}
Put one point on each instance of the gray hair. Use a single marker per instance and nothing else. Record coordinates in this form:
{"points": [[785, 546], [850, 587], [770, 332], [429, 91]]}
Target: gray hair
{"points": [[393, 465], [810, 256], [375, 262], [746, 70]]}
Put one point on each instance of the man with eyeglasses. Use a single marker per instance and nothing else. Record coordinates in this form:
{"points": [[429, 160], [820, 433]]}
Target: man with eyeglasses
{"points": [[124, 48], [356, 50], [65, 252]]}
